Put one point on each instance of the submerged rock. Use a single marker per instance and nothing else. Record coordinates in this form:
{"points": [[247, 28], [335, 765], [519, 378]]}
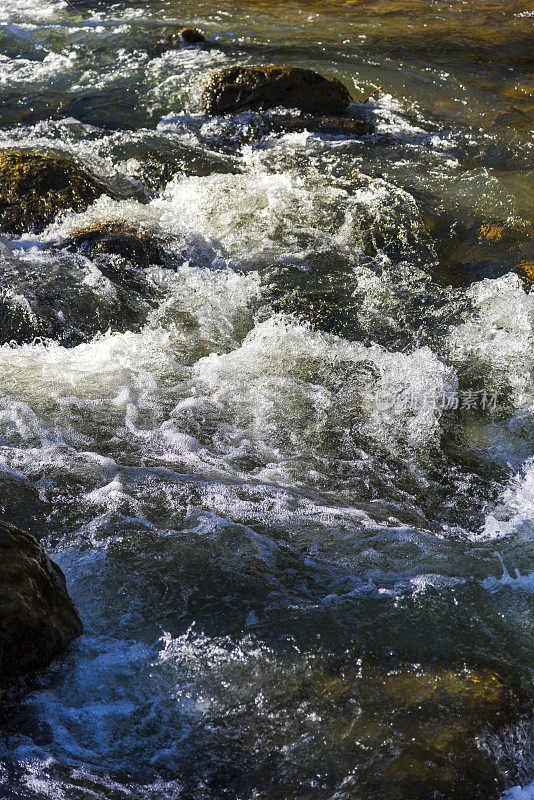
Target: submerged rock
{"points": [[63, 297], [34, 186], [332, 125], [138, 248], [235, 89], [37, 617], [417, 731], [120, 253], [155, 159]]}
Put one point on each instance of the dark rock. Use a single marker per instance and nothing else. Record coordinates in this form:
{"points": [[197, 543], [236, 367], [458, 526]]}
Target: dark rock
{"points": [[60, 297], [34, 186], [161, 157], [131, 251], [235, 89], [140, 249], [176, 40], [335, 126], [37, 617], [191, 36], [250, 126]]}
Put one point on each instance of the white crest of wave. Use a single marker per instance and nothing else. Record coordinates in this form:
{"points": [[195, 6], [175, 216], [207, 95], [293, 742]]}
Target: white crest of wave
{"points": [[497, 343], [515, 513]]}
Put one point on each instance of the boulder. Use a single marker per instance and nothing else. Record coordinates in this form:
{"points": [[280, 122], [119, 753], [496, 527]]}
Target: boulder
{"points": [[34, 186], [190, 36], [138, 248], [235, 89], [37, 617], [60, 296]]}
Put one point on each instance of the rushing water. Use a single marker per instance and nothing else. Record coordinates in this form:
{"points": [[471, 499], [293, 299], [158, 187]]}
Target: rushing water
{"points": [[281, 533]]}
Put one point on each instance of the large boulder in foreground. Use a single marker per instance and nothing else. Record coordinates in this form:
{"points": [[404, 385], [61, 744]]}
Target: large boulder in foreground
{"points": [[235, 89], [37, 617], [34, 186]]}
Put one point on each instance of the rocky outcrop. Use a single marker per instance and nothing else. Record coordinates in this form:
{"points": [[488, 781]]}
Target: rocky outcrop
{"points": [[37, 617], [34, 186], [236, 89]]}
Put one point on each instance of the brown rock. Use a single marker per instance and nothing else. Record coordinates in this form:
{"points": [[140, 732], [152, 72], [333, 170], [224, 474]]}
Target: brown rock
{"points": [[37, 617], [235, 89], [34, 186]]}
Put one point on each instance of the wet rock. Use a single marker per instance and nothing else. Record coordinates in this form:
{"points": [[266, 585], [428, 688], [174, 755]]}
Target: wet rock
{"points": [[155, 159], [37, 617], [235, 89], [190, 36], [434, 730], [63, 297], [34, 186], [333, 125], [250, 126], [469, 248], [138, 248], [131, 251], [186, 36], [525, 270]]}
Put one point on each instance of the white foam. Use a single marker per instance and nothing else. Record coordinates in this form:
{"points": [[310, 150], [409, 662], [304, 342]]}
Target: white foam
{"points": [[497, 341], [515, 512]]}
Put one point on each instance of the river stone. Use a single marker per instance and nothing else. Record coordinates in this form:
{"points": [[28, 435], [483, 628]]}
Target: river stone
{"points": [[138, 248], [434, 731], [34, 186], [176, 40], [235, 89], [37, 617], [190, 36], [65, 298]]}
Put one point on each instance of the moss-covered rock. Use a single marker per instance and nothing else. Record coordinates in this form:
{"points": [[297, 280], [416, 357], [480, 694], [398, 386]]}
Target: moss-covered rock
{"points": [[235, 89], [34, 186], [37, 617]]}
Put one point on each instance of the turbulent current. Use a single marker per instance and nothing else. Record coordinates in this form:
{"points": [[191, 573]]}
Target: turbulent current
{"points": [[295, 505]]}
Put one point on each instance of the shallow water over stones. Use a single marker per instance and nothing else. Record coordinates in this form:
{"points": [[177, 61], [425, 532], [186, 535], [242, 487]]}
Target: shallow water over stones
{"points": [[268, 400]]}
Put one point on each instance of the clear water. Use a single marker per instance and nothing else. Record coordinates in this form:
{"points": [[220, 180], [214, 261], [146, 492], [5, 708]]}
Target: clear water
{"points": [[264, 516]]}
